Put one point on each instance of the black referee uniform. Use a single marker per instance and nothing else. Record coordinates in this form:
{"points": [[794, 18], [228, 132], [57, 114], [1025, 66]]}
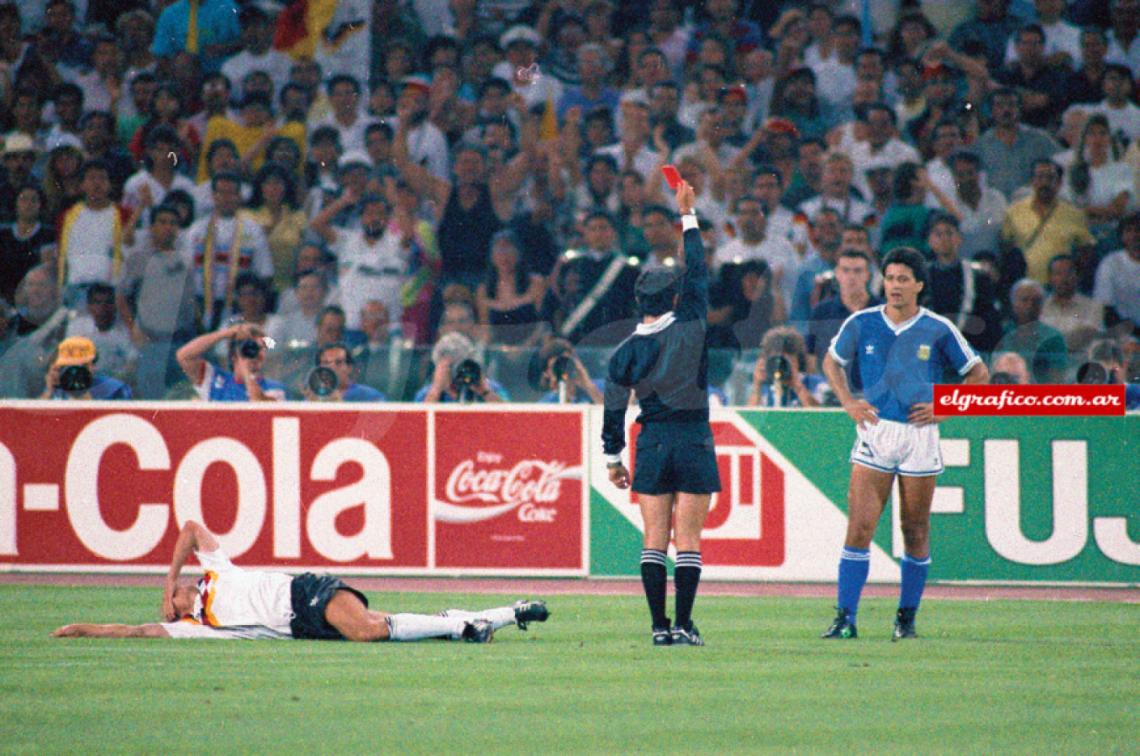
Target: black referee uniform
{"points": [[665, 363]]}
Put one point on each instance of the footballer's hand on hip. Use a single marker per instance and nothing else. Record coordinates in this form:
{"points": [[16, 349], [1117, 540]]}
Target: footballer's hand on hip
{"points": [[922, 414], [861, 411]]}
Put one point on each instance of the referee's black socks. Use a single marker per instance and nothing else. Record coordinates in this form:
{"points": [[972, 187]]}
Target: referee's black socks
{"points": [[653, 580], [686, 578]]}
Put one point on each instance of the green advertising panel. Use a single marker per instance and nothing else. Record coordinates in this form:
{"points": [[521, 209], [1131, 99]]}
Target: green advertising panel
{"points": [[1022, 499]]}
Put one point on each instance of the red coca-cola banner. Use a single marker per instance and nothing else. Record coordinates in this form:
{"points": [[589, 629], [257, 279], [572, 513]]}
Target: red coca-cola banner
{"points": [[509, 498], [107, 486]]}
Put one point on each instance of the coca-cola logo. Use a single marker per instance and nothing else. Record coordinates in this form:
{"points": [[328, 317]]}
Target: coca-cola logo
{"points": [[529, 486]]}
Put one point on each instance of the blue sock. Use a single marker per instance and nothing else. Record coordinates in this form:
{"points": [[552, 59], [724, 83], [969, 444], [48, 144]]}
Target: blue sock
{"points": [[913, 581], [854, 564]]}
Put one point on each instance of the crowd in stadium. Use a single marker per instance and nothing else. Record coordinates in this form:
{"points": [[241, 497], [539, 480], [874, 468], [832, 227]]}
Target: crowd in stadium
{"points": [[212, 197]]}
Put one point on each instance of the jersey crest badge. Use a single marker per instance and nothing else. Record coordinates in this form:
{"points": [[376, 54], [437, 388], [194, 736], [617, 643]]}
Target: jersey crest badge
{"points": [[924, 352]]}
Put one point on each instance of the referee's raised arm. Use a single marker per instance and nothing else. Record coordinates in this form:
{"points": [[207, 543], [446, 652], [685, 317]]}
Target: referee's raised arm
{"points": [[694, 299]]}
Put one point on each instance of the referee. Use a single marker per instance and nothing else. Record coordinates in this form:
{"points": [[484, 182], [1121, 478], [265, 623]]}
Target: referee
{"points": [[665, 362]]}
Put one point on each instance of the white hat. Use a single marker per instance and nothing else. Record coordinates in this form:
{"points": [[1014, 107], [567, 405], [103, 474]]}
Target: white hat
{"points": [[354, 157], [519, 33], [64, 139], [16, 141]]}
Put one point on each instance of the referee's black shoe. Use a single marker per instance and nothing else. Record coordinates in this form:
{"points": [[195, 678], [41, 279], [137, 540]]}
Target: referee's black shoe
{"points": [[841, 627], [527, 611], [904, 624], [662, 636], [687, 636], [478, 631]]}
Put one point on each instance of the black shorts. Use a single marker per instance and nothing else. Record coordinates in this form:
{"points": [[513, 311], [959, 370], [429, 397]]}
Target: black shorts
{"points": [[675, 457], [310, 595]]}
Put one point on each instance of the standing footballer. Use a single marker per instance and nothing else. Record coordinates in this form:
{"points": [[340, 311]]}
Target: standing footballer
{"points": [[901, 351], [665, 362]]}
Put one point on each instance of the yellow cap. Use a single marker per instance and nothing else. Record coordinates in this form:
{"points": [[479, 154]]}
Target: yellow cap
{"points": [[75, 350]]}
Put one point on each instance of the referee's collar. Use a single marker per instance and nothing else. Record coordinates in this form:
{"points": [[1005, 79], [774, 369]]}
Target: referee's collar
{"points": [[663, 322]]}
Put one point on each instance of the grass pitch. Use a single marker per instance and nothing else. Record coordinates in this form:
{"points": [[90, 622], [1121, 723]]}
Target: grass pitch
{"points": [[995, 676]]}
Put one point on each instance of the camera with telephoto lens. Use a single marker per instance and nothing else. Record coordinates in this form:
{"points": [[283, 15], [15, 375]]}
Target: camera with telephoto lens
{"points": [[779, 370], [467, 374], [562, 368], [1095, 374], [75, 379], [250, 349], [322, 381]]}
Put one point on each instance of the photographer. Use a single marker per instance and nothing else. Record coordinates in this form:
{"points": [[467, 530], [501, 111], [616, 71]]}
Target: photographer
{"points": [[244, 381], [458, 375], [334, 378], [778, 379], [1105, 365], [72, 376], [556, 369]]}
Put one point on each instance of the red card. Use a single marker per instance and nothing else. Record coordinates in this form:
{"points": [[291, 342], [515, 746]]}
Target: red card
{"points": [[672, 178]]}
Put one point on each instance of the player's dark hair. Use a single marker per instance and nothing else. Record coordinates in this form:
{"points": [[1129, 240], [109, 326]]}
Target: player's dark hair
{"points": [[913, 259], [329, 347], [852, 253]]}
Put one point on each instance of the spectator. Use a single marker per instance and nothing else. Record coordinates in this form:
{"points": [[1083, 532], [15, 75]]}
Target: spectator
{"points": [[224, 244], [246, 356], [556, 369], [853, 274], [148, 187], [373, 260], [91, 236], [987, 33], [208, 28], [257, 53], [753, 242], [1009, 368], [1042, 346], [592, 290], [1096, 179], [904, 223], [743, 305], [99, 324], [331, 326], [253, 299], [594, 65], [1117, 106], [25, 241], [63, 183], [1009, 149], [794, 98], [837, 192], [458, 374], [37, 301], [250, 133], [509, 298], [978, 206], [1118, 278], [156, 302], [959, 290], [808, 178], [768, 187], [72, 374], [1086, 83], [99, 144], [426, 144], [167, 110], [339, 359], [664, 101], [825, 234], [19, 158], [779, 378], [1042, 226], [347, 116], [276, 209], [1105, 364], [1077, 317], [299, 325], [1040, 83]]}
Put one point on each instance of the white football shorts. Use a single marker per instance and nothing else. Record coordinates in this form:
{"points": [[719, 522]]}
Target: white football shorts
{"points": [[901, 448]]}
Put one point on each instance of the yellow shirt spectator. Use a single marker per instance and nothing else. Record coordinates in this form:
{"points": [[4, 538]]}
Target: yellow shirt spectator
{"points": [[1065, 229], [251, 135]]}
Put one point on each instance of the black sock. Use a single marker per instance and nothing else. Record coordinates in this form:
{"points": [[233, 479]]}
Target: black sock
{"points": [[686, 578], [653, 579]]}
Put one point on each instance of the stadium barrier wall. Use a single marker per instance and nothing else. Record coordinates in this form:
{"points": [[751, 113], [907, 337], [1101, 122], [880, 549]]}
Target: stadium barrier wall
{"points": [[522, 490]]}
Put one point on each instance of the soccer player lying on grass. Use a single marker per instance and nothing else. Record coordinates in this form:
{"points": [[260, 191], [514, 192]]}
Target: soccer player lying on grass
{"points": [[231, 602]]}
